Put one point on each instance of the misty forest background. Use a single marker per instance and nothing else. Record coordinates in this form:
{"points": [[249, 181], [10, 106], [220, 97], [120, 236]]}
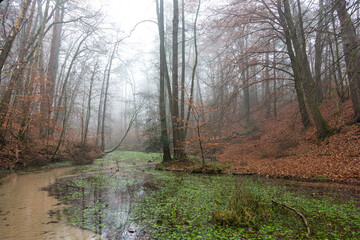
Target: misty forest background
{"points": [[70, 89]]}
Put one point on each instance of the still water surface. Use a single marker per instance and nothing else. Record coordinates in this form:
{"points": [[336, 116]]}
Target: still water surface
{"points": [[24, 209]]}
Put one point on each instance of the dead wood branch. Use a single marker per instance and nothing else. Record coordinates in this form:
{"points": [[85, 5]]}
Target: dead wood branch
{"points": [[297, 212]]}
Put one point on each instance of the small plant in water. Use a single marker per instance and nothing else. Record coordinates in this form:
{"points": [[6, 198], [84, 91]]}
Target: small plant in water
{"points": [[245, 208]]}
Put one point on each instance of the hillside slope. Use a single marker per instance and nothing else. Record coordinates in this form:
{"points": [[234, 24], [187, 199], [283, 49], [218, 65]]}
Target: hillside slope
{"points": [[281, 148]]}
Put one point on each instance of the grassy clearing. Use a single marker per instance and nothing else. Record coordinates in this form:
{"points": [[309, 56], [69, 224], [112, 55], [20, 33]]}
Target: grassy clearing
{"points": [[121, 159]]}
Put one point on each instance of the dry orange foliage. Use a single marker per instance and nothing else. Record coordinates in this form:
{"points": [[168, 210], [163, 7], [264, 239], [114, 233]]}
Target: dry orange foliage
{"points": [[283, 149]]}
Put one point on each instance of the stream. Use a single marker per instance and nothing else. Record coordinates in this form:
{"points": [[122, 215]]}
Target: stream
{"points": [[24, 209], [102, 201]]}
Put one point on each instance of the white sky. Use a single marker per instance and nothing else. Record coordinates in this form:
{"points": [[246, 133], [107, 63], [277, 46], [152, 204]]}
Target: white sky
{"points": [[125, 14], [138, 49]]}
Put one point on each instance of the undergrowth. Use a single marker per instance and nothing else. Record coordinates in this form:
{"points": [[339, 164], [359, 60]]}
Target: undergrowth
{"points": [[244, 208], [228, 207]]}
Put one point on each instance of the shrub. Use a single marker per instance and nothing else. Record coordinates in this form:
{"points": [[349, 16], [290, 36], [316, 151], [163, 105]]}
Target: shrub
{"points": [[245, 209]]}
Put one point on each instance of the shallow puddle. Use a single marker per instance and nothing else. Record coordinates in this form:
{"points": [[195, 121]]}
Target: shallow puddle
{"points": [[24, 209]]}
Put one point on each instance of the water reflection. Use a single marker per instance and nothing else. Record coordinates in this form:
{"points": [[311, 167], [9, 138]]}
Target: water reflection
{"points": [[103, 202]]}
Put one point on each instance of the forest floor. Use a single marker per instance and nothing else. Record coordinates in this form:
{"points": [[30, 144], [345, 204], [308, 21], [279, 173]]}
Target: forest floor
{"points": [[282, 148]]}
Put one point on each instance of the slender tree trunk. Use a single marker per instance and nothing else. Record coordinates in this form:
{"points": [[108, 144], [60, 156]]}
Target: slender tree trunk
{"points": [[66, 79], [99, 122], [88, 108], [12, 35], [305, 73], [52, 69], [267, 84], [193, 71], [338, 65], [319, 47], [178, 144], [274, 89], [102, 146], [352, 55], [333, 72], [182, 110], [162, 101], [246, 76]]}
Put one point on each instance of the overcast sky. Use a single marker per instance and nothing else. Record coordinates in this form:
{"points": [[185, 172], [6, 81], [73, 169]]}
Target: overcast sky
{"points": [[125, 14]]}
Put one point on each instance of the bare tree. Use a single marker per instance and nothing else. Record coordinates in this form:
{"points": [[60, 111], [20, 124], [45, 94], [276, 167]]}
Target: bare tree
{"points": [[12, 35], [352, 55], [162, 101]]}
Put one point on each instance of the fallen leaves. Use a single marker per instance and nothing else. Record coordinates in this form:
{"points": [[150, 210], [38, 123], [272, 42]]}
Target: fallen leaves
{"points": [[336, 158]]}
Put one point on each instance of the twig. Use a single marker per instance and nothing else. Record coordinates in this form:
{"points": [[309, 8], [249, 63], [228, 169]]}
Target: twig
{"points": [[297, 212]]}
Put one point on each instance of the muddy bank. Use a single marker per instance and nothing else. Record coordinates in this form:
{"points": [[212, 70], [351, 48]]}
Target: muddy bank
{"points": [[29, 159]]}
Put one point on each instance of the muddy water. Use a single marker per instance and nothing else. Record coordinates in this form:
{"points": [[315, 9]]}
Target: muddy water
{"points": [[24, 209]]}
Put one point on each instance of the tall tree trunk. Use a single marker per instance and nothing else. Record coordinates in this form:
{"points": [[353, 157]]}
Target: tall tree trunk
{"points": [[88, 107], [193, 71], [246, 77], [182, 110], [162, 100], [102, 146], [338, 64], [267, 83], [305, 73], [274, 89], [99, 121], [305, 119], [12, 35], [46, 105], [67, 76], [179, 151], [352, 55], [319, 47]]}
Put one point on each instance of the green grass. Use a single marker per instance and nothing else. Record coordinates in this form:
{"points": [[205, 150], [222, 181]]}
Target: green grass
{"points": [[191, 207], [123, 159], [166, 205]]}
